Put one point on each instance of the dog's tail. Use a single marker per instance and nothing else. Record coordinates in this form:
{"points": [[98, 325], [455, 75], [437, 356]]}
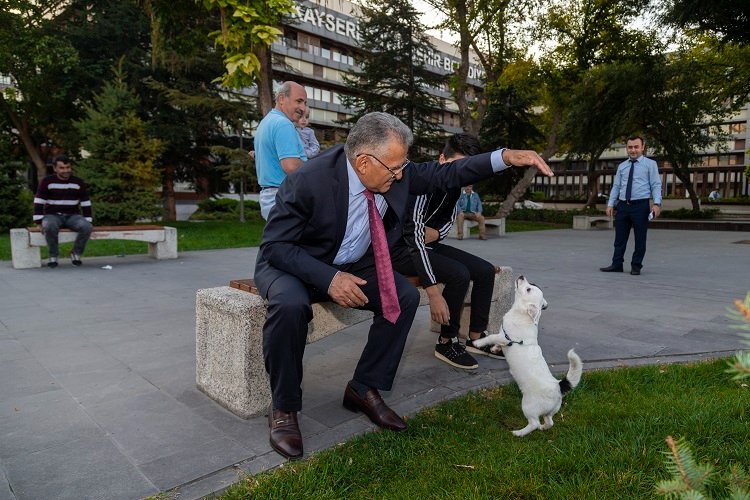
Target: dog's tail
{"points": [[573, 376]]}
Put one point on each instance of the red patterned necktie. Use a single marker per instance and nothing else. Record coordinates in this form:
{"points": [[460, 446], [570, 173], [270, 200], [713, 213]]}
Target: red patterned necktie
{"points": [[386, 284]]}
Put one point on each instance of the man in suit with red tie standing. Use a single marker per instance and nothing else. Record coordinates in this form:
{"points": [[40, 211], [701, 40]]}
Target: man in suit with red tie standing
{"points": [[327, 239], [636, 182]]}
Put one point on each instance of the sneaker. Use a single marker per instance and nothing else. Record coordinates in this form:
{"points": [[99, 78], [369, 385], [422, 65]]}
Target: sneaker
{"points": [[486, 350], [454, 353], [52, 262], [75, 259]]}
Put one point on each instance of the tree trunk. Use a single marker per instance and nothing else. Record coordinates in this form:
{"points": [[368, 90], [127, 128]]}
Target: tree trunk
{"points": [[683, 173], [507, 206], [265, 82], [168, 198], [22, 128], [592, 186]]}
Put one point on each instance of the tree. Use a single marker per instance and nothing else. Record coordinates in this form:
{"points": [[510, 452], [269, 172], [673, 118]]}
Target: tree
{"points": [[680, 111], [600, 113], [576, 37], [725, 18], [495, 30], [247, 31], [34, 56], [190, 110], [120, 169], [15, 200], [237, 167], [393, 77]]}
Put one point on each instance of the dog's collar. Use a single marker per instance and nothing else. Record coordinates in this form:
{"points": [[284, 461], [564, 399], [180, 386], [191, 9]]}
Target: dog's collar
{"points": [[510, 340]]}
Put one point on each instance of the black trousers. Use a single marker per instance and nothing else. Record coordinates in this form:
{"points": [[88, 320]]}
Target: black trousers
{"points": [[455, 268], [289, 310], [631, 216]]}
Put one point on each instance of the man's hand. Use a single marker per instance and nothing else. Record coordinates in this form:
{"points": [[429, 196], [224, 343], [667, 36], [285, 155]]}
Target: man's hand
{"points": [[438, 307], [610, 211], [657, 211], [527, 158], [430, 235], [345, 290]]}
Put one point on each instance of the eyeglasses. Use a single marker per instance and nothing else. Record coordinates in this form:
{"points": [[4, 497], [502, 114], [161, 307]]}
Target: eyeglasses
{"points": [[394, 171]]}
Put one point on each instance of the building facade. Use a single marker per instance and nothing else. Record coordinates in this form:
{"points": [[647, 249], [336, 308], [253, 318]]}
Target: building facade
{"points": [[321, 44], [722, 168]]}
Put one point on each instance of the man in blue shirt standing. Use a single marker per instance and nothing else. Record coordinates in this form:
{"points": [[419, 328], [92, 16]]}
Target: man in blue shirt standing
{"points": [[636, 182], [278, 147]]}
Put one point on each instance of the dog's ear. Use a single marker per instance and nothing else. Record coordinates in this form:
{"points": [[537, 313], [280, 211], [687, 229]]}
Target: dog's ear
{"points": [[534, 311]]}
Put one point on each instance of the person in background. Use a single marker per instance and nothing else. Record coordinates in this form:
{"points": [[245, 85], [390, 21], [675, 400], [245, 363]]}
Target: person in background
{"points": [[278, 147], [422, 253], [61, 201], [636, 182], [470, 207], [329, 237], [307, 135], [714, 196]]}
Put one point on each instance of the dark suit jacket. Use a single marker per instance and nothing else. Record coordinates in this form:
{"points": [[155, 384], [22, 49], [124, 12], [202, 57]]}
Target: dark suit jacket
{"points": [[306, 226]]}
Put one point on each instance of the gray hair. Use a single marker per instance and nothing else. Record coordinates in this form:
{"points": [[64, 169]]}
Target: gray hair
{"points": [[372, 131], [285, 89]]}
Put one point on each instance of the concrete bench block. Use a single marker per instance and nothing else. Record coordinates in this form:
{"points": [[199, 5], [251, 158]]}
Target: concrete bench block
{"points": [[502, 299], [587, 222], [229, 345]]}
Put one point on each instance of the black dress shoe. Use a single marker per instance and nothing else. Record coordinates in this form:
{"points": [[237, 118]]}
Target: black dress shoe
{"points": [[374, 407], [285, 438], [635, 272], [611, 269]]}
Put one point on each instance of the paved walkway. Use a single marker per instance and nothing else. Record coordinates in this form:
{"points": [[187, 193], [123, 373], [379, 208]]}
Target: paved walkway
{"points": [[97, 367]]}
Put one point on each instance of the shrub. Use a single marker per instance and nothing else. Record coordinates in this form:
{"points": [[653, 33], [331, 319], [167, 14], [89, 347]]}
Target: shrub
{"points": [[16, 202], [225, 209], [686, 213]]}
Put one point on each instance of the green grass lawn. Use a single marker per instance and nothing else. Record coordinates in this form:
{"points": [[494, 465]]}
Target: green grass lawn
{"points": [[211, 235], [607, 443]]}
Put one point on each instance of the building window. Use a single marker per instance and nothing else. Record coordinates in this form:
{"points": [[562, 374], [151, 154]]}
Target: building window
{"points": [[739, 144]]}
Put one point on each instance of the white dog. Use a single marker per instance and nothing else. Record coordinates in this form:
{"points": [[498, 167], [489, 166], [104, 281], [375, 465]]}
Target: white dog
{"points": [[542, 393]]}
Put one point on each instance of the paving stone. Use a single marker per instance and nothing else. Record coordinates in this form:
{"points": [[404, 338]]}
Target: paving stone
{"points": [[184, 466], [41, 420], [88, 468]]}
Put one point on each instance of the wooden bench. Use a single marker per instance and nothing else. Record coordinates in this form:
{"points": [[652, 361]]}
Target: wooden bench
{"points": [[229, 338], [25, 243], [493, 226], [587, 222]]}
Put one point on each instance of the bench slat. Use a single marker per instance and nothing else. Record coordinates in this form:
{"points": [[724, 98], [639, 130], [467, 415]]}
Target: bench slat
{"points": [[37, 229]]}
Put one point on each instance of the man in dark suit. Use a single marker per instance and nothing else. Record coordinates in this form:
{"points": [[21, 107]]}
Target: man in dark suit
{"points": [[316, 246]]}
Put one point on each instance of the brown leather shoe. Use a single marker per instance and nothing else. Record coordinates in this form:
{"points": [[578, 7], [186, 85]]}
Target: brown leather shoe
{"points": [[285, 438], [374, 407]]}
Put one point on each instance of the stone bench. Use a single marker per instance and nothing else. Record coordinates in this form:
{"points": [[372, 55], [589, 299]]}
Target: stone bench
{"points": [[25, 243], [493, 226], [587, 222], [229, 338]]}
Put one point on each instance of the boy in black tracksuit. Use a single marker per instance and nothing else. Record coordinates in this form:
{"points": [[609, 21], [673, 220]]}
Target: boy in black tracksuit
{"points": [[421, 252]]}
